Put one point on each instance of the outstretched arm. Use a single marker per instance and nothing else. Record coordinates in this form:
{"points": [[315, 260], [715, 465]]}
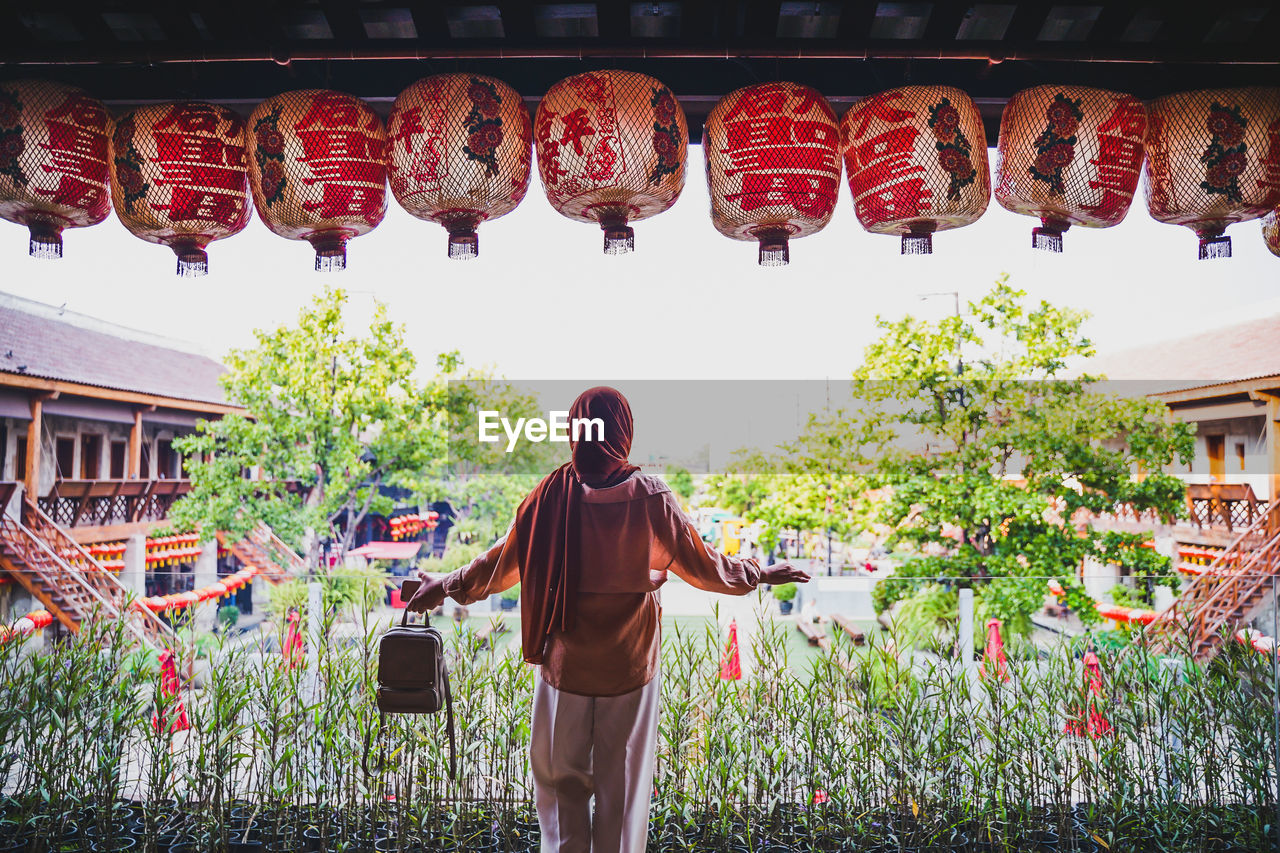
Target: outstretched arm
{"points": [[706, 568], [493, 571]]}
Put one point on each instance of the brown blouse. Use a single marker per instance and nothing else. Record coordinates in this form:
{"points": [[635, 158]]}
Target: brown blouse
{"points": [[632, 535]]}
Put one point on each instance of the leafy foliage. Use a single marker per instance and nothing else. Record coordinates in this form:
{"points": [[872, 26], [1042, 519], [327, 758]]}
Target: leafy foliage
{"points": [[680, 481], [994, 457], [483, 482], [330, 416]]}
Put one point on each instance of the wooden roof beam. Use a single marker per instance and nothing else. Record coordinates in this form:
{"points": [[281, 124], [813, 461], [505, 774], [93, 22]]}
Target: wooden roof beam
{"points": [[60, 386]]}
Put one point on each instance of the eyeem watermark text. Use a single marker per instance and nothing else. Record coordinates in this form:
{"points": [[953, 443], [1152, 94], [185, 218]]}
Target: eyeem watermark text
{"points": [[558, 428]]}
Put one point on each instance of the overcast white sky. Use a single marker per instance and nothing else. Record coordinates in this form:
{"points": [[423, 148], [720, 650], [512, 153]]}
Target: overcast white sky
{"points": [[543, 302]]}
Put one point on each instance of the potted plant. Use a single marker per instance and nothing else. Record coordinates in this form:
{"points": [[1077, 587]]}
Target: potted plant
{"points": [[228, 617], [786, 594], [510, 597]]}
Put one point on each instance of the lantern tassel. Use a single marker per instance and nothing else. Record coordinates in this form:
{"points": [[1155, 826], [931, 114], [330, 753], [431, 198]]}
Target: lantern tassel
{"points": [[619, 240], [917, 243], [331, 255], [1046, 239], [775, 249], [46, 241], [1215, 247], [463, 245], [193, 261]]}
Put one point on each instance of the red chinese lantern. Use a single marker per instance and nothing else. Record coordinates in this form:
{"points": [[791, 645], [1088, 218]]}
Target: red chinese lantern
{"points": [[611, 150], [1271, 232], [1213, 158], [916, 158], [461, 151], [178, 178], [53, 161], [773, 165], [1070, 156], [318, 169]]}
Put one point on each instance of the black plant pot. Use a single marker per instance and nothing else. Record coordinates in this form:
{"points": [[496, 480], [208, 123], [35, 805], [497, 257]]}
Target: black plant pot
{"points": [[243, 841], [316, 839], [116, 845]]}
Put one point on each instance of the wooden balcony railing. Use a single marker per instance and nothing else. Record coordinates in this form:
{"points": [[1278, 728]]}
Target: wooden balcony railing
{"points": [[1230, 506], [89, 503]]}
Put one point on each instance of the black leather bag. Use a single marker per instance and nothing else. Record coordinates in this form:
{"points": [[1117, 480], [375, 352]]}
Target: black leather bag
{"points": [[412, 678]]}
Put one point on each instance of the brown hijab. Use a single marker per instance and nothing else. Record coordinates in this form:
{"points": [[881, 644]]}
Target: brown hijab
{"points": [[547, 520]]}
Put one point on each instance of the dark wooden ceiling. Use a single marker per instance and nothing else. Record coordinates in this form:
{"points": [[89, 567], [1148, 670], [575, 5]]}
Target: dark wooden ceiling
{"points": [[238, 53]]}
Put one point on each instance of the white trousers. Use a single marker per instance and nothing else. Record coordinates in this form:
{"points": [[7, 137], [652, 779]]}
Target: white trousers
{"points": [[594, 745]]}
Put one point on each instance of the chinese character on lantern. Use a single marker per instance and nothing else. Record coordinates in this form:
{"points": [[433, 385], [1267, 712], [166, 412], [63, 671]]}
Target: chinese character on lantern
{"points": [[318, 169], [773, 165], [179, 177], [916, 160], [1069, 155], [611, 150], [53, 161], [461, 153]]}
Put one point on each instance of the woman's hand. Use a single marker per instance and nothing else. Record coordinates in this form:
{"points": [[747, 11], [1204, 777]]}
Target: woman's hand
{"points": [[429, 595], [783, 573]]}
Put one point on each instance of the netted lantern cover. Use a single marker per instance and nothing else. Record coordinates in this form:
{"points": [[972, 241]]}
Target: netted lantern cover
{"points": [[1213, 158], [179, 178], [53, 161], [461, 152], [318, 169], [1069, 155], [773, 165], [612, 147], [916, 158], [1271, 232]]}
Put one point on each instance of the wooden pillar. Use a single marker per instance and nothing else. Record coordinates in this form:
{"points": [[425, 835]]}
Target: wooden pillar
{"points": [[135, 447], [35, 432], [1273, 446]]}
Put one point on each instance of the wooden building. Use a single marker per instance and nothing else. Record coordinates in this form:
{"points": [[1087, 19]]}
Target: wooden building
{"points": [[106, 404], [1226, 381]]}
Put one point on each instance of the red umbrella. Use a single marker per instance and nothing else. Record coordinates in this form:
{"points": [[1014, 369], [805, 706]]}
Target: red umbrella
{"points": [[820, 796], [730, 662], [1096, 725], [175, 716], [993, 654], [293, 650]]}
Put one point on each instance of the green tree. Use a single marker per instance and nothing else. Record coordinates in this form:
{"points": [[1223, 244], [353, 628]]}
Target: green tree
{"points": [[680, 481], [485, 481], [738, 492], [330, 417], [992, 452]]}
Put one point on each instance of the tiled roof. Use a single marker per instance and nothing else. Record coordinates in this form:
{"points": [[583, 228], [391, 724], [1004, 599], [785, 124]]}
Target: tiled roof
{"points": [[1248, 350], [40, 340]]}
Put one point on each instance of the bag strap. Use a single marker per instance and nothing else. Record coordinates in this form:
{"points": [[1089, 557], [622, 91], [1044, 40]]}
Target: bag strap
{"points": [[377, 739], [448, 706]]}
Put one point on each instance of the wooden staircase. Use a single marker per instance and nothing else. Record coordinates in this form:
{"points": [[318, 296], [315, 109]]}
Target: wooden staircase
{"points": [[262, 548], [69, 582], [1227, 593]]}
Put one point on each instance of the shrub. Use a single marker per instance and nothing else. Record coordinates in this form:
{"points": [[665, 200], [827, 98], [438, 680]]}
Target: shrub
{"points": [[454, 558]]}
